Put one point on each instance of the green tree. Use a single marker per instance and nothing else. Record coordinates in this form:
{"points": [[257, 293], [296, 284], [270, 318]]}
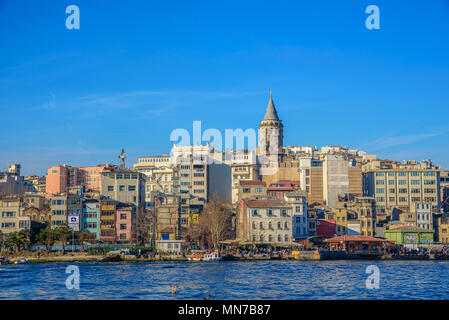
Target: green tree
{"points": [[25, 236], [16, 240], [84, 235], [63, 232], [47, 237]]}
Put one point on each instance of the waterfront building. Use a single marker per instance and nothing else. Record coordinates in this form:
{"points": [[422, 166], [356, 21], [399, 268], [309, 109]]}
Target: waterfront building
{"points": [[168, 217], [360, 245], [409, 235], [170, 245], [107, 220], [264, 222], [64, 205], [424, 216], [124, 222], [123, 185], [402, 185], [444, 191], [441, 228], [10, 212], [297, 200], [91, 217]]}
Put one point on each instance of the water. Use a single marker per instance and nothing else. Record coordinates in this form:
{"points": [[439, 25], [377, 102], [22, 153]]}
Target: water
{"points": [[228, 280]]}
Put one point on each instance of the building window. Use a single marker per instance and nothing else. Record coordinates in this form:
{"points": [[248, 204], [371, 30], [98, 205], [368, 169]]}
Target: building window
{"points": [[110, 188], [121, 188], [131, 188]]}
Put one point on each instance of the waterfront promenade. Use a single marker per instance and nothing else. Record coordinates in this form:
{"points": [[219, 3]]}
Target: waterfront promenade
{"points": [[300, 256]]}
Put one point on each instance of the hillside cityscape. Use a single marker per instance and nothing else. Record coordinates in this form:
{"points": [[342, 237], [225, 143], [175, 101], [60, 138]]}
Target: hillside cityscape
{"points": [[333, 197]]}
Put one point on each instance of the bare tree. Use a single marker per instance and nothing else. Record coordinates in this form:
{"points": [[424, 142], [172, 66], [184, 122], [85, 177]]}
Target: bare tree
{"points": [[145, 225], [216, 220]]}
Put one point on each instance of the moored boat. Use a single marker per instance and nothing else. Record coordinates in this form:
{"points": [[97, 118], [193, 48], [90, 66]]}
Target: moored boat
{"points": [[21, 260], [214, 256]]}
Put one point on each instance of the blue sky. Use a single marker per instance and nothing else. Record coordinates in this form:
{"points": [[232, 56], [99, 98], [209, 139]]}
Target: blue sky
{"points": [[136, 70]]}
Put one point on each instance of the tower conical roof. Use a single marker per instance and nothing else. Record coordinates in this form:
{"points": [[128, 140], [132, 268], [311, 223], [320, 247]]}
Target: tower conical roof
{"points": [[270, 113]]}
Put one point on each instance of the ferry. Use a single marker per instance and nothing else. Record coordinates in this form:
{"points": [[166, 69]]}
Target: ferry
{"points": [[205, 256]]}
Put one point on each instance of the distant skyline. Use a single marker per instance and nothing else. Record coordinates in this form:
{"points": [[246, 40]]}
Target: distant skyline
{"points": [[137, 70]]}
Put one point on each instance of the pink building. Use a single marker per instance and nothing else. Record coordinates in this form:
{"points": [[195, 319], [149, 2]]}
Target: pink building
{"points": [[125, 216], [56, 180], [61, 177]]}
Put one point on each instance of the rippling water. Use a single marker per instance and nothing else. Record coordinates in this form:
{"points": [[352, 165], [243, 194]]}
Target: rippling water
{"points": [[228, 280]]}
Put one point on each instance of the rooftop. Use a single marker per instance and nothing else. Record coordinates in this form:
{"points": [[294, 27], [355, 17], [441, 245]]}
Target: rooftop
{"points": [[252, 183], [265, 203]]}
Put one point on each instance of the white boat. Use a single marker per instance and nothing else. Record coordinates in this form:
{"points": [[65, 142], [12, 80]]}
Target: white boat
{"points": [[214, 256]]}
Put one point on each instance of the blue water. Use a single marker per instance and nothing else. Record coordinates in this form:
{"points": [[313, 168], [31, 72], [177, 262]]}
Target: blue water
{"points": [[228, 280]]}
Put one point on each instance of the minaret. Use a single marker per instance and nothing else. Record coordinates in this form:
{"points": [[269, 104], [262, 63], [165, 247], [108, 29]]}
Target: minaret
{"points": [[271, 131]]}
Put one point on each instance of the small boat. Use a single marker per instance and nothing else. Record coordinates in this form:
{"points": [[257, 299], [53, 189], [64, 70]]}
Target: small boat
{"points": [[4, 260], [21, 260], [112, 258], [196, 257], [229, 257], [214, 256]]}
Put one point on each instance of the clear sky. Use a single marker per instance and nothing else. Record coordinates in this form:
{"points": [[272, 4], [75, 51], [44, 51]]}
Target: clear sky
{"points": [[136, 70]]}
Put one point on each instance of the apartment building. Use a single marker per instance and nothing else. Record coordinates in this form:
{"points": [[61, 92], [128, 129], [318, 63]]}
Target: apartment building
{"points": [[424, 216], [168, 217], [123, 185], [91, 217], [10, 213], [264, 222], [64, 205], [252, 189], [161, 173], [243, 167], [60, 178], [280, 188], [297, 200], [107, 220], [323, 179], [402, 187], [124, 222]]}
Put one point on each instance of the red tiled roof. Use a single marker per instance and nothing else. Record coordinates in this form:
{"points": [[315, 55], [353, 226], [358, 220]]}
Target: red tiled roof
{"points": [[354, 238], [252, 183], [265, 203]]}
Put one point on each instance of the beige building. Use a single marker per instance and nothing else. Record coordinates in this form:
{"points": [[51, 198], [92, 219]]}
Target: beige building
{"points": [[123, 185], [10, 213], [162, 176], [243, 167], [264, 222], [252, 189]]}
